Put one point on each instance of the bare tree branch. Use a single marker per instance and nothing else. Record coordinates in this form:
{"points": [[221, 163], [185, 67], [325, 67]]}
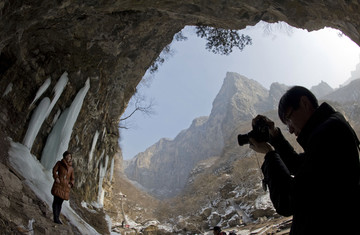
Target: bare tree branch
{"points": [[140, 104]]}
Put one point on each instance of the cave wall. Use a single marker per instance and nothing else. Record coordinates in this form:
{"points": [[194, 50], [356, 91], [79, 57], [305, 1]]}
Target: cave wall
{"points": [[113, 43]]}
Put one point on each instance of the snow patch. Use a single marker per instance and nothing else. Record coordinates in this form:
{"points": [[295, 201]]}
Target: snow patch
{"points": [[166, 227], [108, 220], [263, 202], [85, 205], [229, 210]]}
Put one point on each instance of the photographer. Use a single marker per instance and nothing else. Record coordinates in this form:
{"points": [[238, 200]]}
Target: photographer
{"points": [[319, 187]]}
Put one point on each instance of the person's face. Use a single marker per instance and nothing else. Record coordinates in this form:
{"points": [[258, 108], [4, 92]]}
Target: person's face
{"points": [[293, 122], [295, 119], [68, 158]]}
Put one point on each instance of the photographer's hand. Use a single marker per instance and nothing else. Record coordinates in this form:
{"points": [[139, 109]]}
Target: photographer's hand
{"points": [[273, 131], [260, 147]]}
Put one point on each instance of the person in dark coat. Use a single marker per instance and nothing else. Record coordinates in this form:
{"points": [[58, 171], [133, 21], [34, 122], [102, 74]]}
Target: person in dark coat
{"points": [[63, 174], [217, 231], [319, 187]]}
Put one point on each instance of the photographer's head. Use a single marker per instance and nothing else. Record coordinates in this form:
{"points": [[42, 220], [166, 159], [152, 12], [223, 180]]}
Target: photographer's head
{"points": [[296, 107]]}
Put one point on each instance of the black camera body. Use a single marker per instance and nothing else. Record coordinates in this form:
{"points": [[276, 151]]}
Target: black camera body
{"points": [[260, 133]]}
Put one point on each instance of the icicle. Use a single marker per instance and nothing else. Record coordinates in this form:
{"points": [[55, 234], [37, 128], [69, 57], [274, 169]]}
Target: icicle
{"points": [[104, 132], [96, 136], [36, 122], [100, 158], [51, 150], [8, 89], [30, 226], [112, 169], [102, 172], [109, 223], [43, 110], [101, 199], [59, 138], [56, 117], [41, 90], [58, 89]]}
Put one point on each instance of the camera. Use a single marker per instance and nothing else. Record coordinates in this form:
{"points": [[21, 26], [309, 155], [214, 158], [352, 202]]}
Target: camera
{"points": [[260, 132]]}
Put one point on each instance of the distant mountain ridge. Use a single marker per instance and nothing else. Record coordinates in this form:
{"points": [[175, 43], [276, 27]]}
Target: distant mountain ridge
{"points": [[321, 89], [355, 74], [349, 93]]}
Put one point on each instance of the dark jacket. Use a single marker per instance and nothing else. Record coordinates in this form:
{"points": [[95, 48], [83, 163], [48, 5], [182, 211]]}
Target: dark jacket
{"points": [[319, 187], [65, 173]]}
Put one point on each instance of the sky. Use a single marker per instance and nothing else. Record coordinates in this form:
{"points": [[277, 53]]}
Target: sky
{"points": [[188, 81]]}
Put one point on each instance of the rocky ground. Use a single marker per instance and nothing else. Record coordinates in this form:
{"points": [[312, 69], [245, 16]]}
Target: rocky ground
{"points": [[279, 226]]}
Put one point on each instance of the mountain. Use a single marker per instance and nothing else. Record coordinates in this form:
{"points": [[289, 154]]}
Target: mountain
{"points": [[164, 167], [354, 74], [321, 89], [346, 94]]}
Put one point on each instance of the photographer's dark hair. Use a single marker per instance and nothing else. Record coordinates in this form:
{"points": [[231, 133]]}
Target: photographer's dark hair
{"points": [[291, 98]]}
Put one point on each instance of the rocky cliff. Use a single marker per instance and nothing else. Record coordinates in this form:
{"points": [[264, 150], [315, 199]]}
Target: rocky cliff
{"points": [[105, 47], [164, 167], [321, 89], [355, 74], [346, 94]]}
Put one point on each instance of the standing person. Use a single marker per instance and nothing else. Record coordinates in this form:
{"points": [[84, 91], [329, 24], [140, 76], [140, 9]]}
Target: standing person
{"points": [[319, 187], [63, 174]]}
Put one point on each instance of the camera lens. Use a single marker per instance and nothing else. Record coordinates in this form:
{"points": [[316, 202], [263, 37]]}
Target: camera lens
{"points": [[243, 139]]}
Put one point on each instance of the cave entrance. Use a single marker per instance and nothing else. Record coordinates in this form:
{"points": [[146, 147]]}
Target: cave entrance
{"points": [[184, 88], [187, 82]]}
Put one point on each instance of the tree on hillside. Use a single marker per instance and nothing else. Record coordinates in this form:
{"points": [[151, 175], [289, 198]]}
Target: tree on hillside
{"points": [[139, 104], [219, 41], [222, 41]]}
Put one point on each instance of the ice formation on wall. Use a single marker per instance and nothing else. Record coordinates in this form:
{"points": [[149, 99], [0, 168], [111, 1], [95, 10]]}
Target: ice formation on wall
{"points": [[58, 89], [112, 168], [96, 136], [59, 138], [43, 110], [102, 172], [8, 89], [36, 122], [41, 90], [56, 117]]}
